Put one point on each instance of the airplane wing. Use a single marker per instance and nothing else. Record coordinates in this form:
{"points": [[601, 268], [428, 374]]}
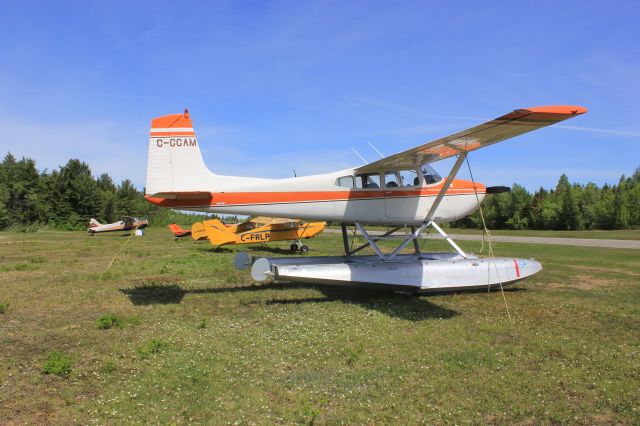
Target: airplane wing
{"points": [[513, 124], [263, 220]]}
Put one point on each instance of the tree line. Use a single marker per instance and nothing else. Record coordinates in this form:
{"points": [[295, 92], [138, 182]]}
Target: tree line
{"points": [[68, 197], [567, 207]]}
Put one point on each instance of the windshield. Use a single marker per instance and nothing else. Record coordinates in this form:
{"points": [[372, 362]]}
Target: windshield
{"points": [[430, 175]]}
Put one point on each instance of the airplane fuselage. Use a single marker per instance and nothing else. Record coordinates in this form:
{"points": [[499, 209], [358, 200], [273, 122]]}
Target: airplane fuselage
{"points": [[320, 197]]}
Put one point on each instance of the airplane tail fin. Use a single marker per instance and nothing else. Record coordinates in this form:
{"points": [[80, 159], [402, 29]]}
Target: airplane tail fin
{"points": [[176, 229], [197, 231], [174, 163], [93, 223]]}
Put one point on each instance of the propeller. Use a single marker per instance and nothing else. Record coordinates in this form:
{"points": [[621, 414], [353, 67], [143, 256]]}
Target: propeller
{"points": [[497, 189]]}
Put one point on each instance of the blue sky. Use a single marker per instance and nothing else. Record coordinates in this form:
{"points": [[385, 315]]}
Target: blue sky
{"points": [[277, 86]]}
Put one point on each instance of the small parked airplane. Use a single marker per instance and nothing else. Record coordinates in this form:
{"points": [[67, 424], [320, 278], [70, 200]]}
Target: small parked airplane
{"points": [[126, 224], [400, 190], [177, 231], [257, 230]]}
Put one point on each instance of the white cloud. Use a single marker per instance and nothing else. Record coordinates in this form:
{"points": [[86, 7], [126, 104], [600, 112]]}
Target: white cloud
{"points": [[614, 132]]}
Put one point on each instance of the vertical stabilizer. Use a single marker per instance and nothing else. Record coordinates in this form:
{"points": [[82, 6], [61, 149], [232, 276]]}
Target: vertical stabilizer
{"points": [[175, 163]]}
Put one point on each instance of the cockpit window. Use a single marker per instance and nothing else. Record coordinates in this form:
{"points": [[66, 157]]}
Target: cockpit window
{"points": [[345, 181], [430, 175], [368, 180], [391, 180], [409, 178]]}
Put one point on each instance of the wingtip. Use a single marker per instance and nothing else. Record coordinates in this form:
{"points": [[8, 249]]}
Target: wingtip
{"points": [[557, 109]]}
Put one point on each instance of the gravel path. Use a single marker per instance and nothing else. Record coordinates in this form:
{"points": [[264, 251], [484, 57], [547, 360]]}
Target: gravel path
{"points": [[584, 242]]}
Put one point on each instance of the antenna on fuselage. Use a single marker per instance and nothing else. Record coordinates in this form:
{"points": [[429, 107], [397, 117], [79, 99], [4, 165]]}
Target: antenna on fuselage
{"points": [[294, 173], [361, 157], [375, 149]]}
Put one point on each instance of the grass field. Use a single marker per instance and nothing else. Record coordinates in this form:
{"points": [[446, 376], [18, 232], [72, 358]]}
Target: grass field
{"points": [[173, 334]]}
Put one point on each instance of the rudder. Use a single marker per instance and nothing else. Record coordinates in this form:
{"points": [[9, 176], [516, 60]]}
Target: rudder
{"points": [[174, 162]]}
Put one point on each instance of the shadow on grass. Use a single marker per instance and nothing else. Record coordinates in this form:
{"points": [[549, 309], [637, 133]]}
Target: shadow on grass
{"points": [[400, 306], [172, 293], [276, 250], [216, 250], [493, 289]]}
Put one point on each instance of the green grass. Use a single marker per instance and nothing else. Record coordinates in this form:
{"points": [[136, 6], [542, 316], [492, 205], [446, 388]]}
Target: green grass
{"points": [[108, 321], [57, 363], [210, 344]]}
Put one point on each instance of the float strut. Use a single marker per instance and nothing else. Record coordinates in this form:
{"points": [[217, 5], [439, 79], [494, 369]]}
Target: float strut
{"points": [[345, 239], [449, 240], [416, 244]]}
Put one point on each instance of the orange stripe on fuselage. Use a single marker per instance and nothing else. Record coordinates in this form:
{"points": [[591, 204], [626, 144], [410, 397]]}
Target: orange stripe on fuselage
{"points": [[222, 199]]}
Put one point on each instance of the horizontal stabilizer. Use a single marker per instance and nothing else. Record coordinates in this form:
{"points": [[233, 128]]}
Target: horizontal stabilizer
{"points": [[192, 195]]}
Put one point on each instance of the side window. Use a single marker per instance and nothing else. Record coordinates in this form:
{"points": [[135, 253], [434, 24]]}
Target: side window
{"points": [[391, 180], [345, 181], [368, 180], [409, 178], [430, 175]]}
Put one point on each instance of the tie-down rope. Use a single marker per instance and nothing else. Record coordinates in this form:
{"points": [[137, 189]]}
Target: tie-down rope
{"points": [[487, 233]]}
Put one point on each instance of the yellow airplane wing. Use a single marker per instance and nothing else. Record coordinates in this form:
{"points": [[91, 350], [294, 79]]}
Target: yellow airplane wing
{"points": [[263, 220]]}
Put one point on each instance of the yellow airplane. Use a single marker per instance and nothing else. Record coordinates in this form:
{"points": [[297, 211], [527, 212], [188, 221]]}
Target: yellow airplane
{"points": [[257, 230]]}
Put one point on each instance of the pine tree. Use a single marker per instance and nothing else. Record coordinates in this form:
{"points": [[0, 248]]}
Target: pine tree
{"points": [[587, 201], [519, 205], [569, 213], [6, 183], [127, 199], [621, 205]]}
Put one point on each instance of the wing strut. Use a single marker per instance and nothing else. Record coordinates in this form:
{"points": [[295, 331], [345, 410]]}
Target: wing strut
{"points": [[429, 220], [447, 184], [415, 232]]}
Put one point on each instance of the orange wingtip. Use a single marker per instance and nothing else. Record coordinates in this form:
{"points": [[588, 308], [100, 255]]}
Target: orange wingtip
{"points": [[558, 109]]}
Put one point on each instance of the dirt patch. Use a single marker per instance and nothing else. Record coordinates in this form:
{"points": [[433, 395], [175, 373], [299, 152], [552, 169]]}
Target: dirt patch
{"points": [[596, 269], [584, 282], [588, 282]]}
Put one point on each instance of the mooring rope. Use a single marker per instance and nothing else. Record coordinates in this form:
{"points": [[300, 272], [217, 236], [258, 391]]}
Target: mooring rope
{"points": [[488, 235], [133, 231]]}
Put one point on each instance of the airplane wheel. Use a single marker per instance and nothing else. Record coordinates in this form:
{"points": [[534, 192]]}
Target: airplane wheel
{"points": [[304, 249], [294, 247]]}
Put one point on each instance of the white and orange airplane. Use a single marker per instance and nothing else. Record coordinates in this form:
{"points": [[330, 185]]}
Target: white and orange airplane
{"points": [[400, 190], [126, 224]]}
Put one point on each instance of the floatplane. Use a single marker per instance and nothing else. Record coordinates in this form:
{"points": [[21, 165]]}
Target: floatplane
{"points": [[401, 191]]}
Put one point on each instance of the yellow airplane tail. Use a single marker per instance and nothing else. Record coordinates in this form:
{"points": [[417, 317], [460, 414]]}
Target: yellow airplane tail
{"points": [[198, 232], [218, 233]]}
